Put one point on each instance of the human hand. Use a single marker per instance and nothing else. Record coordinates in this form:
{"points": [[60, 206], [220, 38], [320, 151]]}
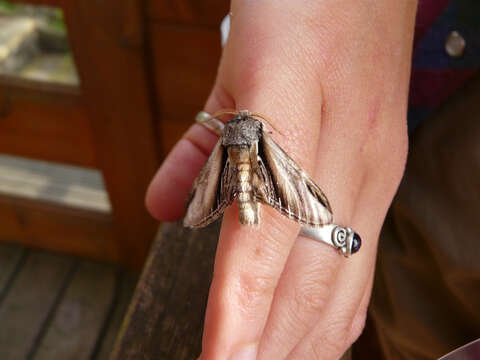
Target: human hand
{"points": [[333, 77]]}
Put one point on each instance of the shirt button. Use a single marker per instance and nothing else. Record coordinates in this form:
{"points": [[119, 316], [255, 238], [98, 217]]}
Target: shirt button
{"points": [[455, 44]]}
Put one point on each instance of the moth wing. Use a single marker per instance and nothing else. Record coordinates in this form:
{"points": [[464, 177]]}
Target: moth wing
{"points": [[212, 190], [279, 182]]}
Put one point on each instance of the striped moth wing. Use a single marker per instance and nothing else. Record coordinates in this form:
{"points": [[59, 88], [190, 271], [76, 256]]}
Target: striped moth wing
{"points": [[212, 190], [275, 180], [279, 182]]}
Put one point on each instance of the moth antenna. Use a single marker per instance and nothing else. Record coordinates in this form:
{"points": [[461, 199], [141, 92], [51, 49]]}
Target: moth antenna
{"points": [[263, 117], [224, 112], [205, 119]]}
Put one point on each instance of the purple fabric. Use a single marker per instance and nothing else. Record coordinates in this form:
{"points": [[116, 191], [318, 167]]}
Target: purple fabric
{"points": [[436, 75], [427, 12]]}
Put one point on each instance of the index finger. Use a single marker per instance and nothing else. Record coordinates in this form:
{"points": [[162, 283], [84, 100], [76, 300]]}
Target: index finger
{"points": [[169, 188]]}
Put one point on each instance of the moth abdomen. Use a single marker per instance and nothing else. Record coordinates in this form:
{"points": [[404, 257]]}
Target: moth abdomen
{"points": [[239, 157], [247, 212], [248, 209]]}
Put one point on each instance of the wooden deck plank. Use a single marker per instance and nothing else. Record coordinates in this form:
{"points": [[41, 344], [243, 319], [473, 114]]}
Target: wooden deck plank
{"points": [[165, 319], [45, 225], [128, 281], [80, 316], [10, 255], [179, 334], [28, 303], [68, 185]]}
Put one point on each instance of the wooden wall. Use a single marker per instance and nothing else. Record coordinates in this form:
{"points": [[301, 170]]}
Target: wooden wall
{"points": [[185, 51], [145, 69]]}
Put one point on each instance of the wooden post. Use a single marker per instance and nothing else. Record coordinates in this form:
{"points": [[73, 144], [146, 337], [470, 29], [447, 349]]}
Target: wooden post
{"points": [[107, 40]]}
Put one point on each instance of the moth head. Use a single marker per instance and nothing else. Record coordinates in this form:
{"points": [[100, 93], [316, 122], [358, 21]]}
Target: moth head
{"points": [[242, 130]]}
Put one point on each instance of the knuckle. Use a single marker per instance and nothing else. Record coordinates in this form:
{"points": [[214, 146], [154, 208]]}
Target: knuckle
{"points": [[318, 348], [315, 351], [310, 297], [337, 345], [342, 333], [334, 339], [253, 288], [311, 291]]}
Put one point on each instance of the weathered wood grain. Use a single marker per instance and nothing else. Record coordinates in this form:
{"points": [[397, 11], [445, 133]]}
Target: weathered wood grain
{"points": [[10, 255], [29, 301], [60, 228], [165, 319], [79, 318], [125, 287]]}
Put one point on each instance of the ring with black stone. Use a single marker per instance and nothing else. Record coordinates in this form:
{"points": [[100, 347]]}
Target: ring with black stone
{"points": [[344, 239]]}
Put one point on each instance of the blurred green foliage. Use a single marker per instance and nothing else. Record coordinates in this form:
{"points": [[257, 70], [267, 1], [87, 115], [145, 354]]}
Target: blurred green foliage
{"points": [[52, 16], [6, 7]]}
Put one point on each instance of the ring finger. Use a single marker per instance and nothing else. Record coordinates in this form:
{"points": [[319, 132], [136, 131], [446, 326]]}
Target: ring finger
{"points": [[318, 289]]}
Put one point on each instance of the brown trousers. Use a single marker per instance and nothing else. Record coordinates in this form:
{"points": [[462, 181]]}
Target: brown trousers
{"points": [[426, 298]]}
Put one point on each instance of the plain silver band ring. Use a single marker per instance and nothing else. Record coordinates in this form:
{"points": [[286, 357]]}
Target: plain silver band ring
{"points": [[344, 239]]}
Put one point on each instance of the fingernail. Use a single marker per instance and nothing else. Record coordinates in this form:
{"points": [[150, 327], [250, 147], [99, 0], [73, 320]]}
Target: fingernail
{"points": [[247, 352]]}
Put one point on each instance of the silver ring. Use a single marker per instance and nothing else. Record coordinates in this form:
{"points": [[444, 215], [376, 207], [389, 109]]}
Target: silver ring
{"points": [[344, 239], [212, 124]]}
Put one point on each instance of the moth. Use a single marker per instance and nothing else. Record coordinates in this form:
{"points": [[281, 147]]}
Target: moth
{"points": [[247, 165]]}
